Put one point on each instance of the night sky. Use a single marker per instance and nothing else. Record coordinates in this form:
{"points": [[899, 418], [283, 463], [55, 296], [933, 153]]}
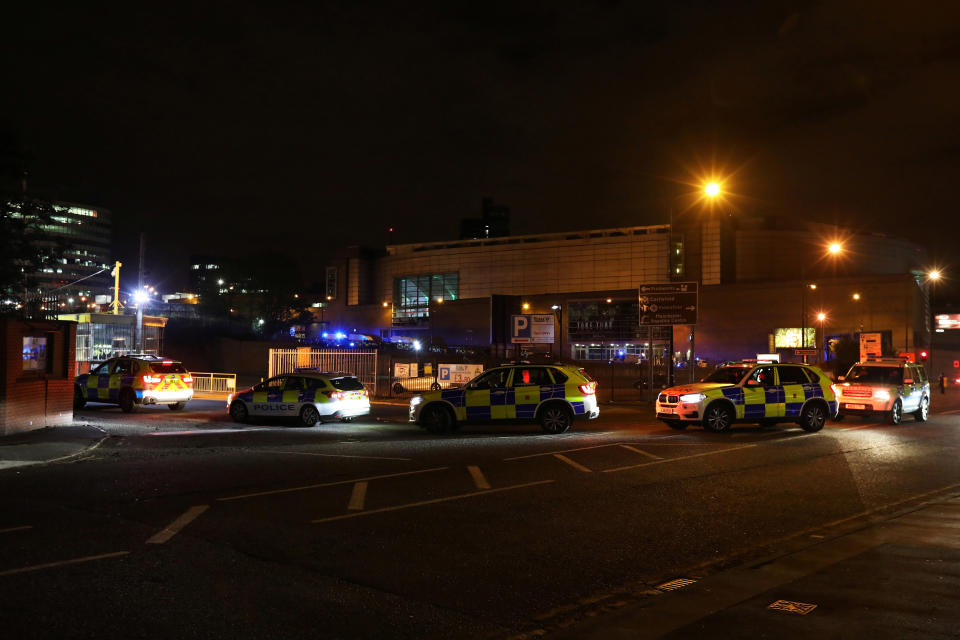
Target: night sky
{"points": [[230, 127]]}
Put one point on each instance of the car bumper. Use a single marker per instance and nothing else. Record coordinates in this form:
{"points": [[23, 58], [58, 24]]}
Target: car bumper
{"points": [[165, 397], [679, 412], [865, 406], [345, 409]]}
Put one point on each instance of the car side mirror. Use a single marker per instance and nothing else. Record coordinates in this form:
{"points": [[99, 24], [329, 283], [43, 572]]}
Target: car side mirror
{"points": [[841, 378]]}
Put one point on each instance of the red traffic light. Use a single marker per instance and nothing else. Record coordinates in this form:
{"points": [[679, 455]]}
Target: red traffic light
{"points": [[923, 355]]}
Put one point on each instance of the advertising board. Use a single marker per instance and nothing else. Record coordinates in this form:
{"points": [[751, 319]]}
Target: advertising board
{"points": [[532, 328], [458, 373]]}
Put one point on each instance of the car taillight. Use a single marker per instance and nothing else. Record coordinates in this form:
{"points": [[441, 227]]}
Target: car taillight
{"points": [[366, 394], [588, 389], [334, 395], [151, 380], [187, 379]]}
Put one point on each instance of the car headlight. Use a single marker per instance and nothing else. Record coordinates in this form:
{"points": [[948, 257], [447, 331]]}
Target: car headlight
{"points": [[881, 394], [415, 400], [692, 397]]}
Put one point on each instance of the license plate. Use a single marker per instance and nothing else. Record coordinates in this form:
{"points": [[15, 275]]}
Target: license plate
{"points": [[666, 410], [856, 406]]}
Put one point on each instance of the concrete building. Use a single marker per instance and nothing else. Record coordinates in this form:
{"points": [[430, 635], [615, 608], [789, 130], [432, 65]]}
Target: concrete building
{"points": [[86, 231], [763, 280]]}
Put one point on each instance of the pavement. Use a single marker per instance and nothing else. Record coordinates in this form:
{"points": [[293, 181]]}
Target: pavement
{"points": [[48, 445]]}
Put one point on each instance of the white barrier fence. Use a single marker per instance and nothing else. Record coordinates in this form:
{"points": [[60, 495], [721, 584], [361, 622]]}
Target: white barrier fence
{"points": [[214, 382], [362, 364]]}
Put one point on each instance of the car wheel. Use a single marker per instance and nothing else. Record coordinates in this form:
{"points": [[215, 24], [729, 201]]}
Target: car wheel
{"points": [[79, 402], [718, 418], [555, 418], [127, 400], [435, 386], [238, 411], [679, 425], [176, 406], [309, 416], [896, 413], [923, 412], [813, 417], [437, 419]]}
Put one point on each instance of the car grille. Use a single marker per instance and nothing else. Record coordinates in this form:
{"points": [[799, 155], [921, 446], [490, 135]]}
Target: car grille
{"points": [[665, 399], [857, 393]]}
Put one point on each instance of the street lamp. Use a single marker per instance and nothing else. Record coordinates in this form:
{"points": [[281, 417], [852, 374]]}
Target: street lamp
{"points": [[712, 189], [821, 316], [558, 310]]}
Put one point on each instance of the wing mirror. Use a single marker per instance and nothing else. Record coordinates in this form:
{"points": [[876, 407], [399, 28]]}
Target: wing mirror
{"points": [[841, 378]]}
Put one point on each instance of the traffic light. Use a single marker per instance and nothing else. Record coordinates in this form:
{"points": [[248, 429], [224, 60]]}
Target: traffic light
{"points": [[923, 355]]}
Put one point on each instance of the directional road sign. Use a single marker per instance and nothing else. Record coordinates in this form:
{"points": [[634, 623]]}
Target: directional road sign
{"points": [[669, 303]]}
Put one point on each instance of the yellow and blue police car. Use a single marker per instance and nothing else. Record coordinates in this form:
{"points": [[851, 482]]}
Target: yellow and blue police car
{"points": [[134, 380], [309, 395], [553, 395], [766, 393]]}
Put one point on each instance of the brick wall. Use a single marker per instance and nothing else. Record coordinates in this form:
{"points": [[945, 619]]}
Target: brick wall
{"points": [[36, 399]]}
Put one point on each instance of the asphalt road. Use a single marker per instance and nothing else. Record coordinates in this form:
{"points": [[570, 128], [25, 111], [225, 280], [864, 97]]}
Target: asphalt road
{"points": [[188, 525]]}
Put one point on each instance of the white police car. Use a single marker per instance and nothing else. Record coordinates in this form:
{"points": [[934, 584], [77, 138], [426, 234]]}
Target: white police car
{"points": [[309, 395]]}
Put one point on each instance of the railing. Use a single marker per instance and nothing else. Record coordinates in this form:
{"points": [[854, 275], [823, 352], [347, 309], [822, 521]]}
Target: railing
{"points": [[423, 383], [214, 382], [362, 364]]}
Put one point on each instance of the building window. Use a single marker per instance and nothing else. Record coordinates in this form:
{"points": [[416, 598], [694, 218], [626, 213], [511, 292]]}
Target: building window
{"points": [[412, 295], [34, 353]]}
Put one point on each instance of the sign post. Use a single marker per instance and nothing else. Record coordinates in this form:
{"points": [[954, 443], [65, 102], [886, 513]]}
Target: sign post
{"points": [[532, 328], [669, 304]]}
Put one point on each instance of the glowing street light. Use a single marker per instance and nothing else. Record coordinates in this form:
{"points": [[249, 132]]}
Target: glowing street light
{"points": [[856, 296], [821, 316], [140, 296], [526, 306], [835, 248], [934, 275], [712, 189]]}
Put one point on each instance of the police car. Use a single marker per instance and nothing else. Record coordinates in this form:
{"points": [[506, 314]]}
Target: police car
{"points": [[766, 393], [135, 380], [553, 395], [887, 386], [309, 395]]}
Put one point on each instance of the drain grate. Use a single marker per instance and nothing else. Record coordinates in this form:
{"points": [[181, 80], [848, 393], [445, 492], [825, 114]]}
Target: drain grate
{"points": [[802, 608], [673, 585]]}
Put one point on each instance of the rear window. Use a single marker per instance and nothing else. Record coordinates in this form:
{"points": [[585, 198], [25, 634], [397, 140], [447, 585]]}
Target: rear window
{"points": [[167, 367], [346, 384]]}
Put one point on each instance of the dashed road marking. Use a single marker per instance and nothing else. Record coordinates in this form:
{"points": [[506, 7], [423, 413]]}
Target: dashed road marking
{"points": [[694, 455], [423, 503], [177, 525], [641, 452], [330, 484], [358, 497], [11, 529], [479, 480], [50, 565], [575, 465]]}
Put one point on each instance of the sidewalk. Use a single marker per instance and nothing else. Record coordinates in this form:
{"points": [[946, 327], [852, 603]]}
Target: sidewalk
{"points": [[896, 577], [50, 444]]}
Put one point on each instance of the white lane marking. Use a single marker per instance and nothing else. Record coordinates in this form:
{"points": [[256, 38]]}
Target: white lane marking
{"points": [[358, 497], [49, 565], [177, 525], [203, 432], [330, 455], [423, 503], [641, 452], [23, 528], [330, 484], [694, 455], [862, 426], [575, 465], [550, 453], [479, 479]]}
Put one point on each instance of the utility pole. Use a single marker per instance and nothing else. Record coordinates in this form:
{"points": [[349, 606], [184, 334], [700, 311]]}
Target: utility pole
{"points": [[139, 341]]}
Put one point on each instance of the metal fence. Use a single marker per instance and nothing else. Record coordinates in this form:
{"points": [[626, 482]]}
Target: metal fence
{"points": [[214, 382], [362, 364], [423, 383]]}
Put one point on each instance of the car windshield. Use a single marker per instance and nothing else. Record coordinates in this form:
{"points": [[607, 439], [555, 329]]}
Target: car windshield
{"points": [[167, 367], [727, 375], [346, 384], [875, 375]]}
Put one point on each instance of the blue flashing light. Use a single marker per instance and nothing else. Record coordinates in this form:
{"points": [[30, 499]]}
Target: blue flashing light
{"points": [[340, 335], [352, 344], [324, 334], [621, 353]]}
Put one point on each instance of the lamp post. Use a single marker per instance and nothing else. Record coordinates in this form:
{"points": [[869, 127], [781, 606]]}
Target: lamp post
{"points": [[821, 316], [558, 311], [933, 276]]}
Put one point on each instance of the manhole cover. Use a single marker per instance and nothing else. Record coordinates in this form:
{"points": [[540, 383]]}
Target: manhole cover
{"points": [[803, 608], [675, 584]]}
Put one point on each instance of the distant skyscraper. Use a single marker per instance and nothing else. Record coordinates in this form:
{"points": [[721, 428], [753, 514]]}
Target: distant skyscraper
{"points": [[87, 233]]}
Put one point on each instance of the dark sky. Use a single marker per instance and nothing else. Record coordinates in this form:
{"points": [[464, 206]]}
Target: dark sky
{"points": [[234, 126]]}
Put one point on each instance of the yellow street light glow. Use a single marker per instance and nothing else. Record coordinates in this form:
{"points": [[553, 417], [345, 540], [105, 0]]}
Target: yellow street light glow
{"points": [[813, 285], [385, 304], [609, 300], [439, 300], [835, 248], [856, 296], [526, 305], [934, 274], [821, 316], [712, 189]]}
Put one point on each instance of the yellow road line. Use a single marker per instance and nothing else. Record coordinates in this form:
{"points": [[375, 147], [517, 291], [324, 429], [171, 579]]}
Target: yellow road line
{"points": [[358, 497], [428, 502], [478, 478], [49, 565], [575, 465], [23, 528], [177, 525], [695, 455], [330, 484], [641, 452]]}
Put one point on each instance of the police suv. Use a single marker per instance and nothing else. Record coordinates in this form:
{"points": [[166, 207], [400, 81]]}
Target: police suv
{"points": [[766, 393], [885, 386], [553, 395], [309, 395], [134, 380]]}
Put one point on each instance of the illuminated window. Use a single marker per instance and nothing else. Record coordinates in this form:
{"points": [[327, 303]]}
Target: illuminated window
{"points": [[412, 295]]}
